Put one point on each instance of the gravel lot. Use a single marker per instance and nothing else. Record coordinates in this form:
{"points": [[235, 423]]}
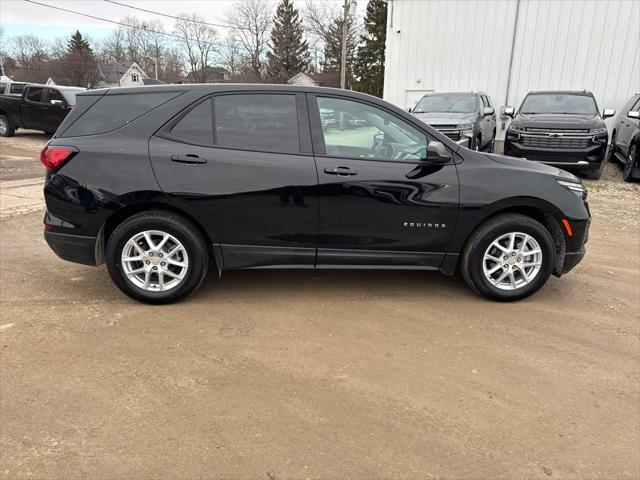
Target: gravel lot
{"points": [[329, 374]]}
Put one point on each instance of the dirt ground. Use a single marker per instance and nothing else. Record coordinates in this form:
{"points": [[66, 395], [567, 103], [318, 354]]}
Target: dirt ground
{"points": [[329, 374]]}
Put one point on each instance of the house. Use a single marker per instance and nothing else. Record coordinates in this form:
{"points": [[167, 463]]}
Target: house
{"points": [[121, 75], [214, 75], [3, 77], [303, 79], [322, 79], [510, 48]]}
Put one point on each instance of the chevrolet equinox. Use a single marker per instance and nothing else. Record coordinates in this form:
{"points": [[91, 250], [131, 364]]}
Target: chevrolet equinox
{"points": [[164, 182]]}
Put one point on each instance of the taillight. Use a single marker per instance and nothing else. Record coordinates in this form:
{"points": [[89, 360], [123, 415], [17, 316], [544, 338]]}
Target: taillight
{"points": [[52, 157]]}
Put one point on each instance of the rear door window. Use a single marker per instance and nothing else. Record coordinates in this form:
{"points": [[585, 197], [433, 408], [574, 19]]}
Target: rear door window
{"points": [[262, 122], [196, 126], [34, 94]]}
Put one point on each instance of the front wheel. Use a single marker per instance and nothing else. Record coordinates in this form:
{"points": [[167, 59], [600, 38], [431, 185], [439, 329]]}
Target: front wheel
{"points": [[630, 164], [157, 257], [508, 258], [595, 174]]}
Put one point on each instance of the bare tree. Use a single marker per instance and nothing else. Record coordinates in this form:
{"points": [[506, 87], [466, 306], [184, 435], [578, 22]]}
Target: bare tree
{"points": [[230, 55], [198, 45], [251, 23], [31, 54], [112, 49]]}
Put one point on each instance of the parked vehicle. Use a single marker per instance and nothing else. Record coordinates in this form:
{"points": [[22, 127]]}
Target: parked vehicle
{"points": [[625, 138], [460, 115], [12, 88], [560, 128], [163, 182], [40, 107]]}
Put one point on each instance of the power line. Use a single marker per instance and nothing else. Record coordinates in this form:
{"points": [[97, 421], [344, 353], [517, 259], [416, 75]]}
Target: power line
{"points": [[172, 16], [124, 24]]}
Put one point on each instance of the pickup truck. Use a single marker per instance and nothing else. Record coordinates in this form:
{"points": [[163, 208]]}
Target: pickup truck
{"points": [[12, 88], [40, 107]]}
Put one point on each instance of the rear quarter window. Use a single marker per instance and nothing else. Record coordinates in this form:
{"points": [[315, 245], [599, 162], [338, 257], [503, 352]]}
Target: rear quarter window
{"points": [[111, 112]]}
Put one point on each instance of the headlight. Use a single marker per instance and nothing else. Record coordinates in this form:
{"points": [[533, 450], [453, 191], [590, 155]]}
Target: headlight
{"points": [[597, 131], [574, 187], [516, 129], [465, 126]]}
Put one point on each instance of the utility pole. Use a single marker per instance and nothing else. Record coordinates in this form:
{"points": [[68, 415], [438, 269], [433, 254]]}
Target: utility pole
{"points": [[345, 21]]}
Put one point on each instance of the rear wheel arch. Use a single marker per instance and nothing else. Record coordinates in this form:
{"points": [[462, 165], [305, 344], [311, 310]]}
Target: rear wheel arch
{"points": [[124, 213]]}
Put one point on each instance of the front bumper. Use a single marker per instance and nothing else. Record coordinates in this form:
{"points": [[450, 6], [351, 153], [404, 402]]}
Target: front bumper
{"points": [[580, 159], [575, 246]]}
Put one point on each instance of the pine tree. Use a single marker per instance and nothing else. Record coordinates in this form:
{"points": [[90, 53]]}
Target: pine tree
{"points": [[369, 64], [77, 44], [333, 48], [290, 52]]}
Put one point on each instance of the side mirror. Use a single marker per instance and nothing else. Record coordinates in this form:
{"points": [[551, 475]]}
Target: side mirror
{"points": [[438, 153], [633, 114], [509, 111], [608, 112], [408, 109], [488, 111]]}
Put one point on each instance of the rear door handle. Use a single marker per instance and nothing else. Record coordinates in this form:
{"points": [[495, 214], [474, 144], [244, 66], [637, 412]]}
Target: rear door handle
{"points": [[189, 158], [340, 171]]}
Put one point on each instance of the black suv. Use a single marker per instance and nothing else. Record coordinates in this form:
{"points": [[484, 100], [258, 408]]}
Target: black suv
{"points": [[561, 128], [164, 182], [461, 116]]}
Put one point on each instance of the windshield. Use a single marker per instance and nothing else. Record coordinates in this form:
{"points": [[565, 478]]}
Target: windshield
{"points": [[559, 103], [70, 95], [447, 103]]}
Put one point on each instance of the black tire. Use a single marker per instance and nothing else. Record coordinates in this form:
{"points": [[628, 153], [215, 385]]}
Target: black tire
{"points": [[612, 149], [183, 230], [595, 174], [492, 145], [630, 164], [478, 143], [6, 126], [471, 262]]}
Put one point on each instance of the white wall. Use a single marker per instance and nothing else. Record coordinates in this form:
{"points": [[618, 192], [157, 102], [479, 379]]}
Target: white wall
{"points": [[466, 45]]}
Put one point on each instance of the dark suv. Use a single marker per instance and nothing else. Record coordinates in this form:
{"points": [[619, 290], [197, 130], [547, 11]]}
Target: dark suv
{"points": [[164, 182], [561, 128], [461, 116], [625, 138]]}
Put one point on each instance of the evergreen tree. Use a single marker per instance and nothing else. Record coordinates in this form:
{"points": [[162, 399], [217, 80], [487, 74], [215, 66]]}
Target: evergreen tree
{"points": [[77, 44], [369, 64], [333, 48], [290, 52]]}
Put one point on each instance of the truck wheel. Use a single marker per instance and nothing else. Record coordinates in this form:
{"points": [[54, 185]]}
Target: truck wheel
{"points": [[595, 174], [612, 149], [630, 164], [508, 258], [157, 257], [6, 127]]}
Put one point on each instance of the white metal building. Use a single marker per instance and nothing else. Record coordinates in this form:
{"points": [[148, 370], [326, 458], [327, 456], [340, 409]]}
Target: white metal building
{"points": [[509, 47]]}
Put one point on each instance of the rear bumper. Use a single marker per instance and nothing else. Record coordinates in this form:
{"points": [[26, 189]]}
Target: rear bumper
{"points": [[73, 248]]}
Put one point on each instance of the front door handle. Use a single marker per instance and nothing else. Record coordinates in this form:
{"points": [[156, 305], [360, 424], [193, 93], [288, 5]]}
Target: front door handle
{"points": [[340, 171], [189, 158]]}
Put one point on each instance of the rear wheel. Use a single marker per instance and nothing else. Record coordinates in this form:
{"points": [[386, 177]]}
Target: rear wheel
{"points": [[630, 164], [6, 127], [508, 258], [157, 257]]}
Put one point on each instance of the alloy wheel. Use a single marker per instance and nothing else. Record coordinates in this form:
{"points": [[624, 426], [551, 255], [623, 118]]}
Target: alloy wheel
{"points": [[512, 261], [154, 261], [3, 126]]}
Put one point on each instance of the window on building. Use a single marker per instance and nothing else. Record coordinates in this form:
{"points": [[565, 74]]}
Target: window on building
{"points": [[134, 77]]}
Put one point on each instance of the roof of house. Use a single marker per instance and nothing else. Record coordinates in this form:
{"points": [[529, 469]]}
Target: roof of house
{"points": [[113, 72]]}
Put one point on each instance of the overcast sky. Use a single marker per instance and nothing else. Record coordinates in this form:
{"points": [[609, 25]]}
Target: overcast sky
{"points": [[18, 17]]}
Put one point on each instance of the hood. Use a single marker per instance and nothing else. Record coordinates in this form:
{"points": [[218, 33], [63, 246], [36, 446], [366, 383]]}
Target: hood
{"points": [[558, 120], [444, 118], [530, 165]]}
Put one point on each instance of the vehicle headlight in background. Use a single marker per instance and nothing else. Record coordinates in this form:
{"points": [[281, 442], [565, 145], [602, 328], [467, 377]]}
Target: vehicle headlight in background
{"points": [[597, 131], [516, 129], [466, 128], [574, 187]]}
